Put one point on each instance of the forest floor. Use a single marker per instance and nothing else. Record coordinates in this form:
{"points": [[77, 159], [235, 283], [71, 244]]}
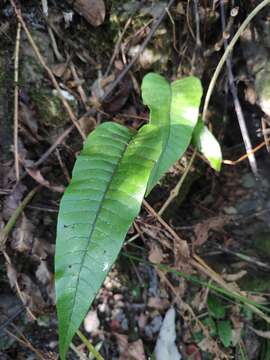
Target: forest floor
{"points": [[215, 303]]}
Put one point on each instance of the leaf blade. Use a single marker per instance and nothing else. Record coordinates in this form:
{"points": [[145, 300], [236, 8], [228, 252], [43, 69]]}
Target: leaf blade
{"points": [[95, 213], [207, 144], [225, 332], [175, 107]]}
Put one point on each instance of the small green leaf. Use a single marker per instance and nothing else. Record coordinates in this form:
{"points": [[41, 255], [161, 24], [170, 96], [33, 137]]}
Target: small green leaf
{"points": [[210, 322], [175, 107], [207, 144], [225, 332], [216, 309]]}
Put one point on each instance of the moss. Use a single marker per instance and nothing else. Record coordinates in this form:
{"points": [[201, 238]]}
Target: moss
{"points": [[257, 282], [262, 243], [49, 107]]}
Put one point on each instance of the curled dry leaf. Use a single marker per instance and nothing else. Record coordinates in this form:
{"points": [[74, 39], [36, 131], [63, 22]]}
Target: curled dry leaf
{"points": [[36, 174], [235, 277], [92, 10], [214, 223]]}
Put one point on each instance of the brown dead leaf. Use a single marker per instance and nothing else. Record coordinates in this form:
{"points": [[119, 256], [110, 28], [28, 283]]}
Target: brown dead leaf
{"points": [[130, 351], [200, 299], [87, 124], [59, 69], [158, 303], [12, 201], [28, 291], [92, 10], [136, 351], [41, 249], [209, 345], [42, 273], [28, 119], [45, 276], [31, 294], [193, 352], [36, 175], [22, 236], [214, 223], [155, 255]]}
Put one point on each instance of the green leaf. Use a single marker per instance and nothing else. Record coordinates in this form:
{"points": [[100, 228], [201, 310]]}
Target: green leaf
{"points": [[216, 309], [207, 144], [175, 107], [105, 194], [210, 322], [225, 332]]}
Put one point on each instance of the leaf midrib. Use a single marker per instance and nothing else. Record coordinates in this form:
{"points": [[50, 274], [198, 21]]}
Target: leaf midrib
{"points": [[168, 133], [93, 229]]}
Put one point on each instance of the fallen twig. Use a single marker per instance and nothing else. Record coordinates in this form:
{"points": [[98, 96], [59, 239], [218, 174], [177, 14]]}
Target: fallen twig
{"points": [[48, 70], [16, 102], [243, 157], [237, 104], [198, 263]]}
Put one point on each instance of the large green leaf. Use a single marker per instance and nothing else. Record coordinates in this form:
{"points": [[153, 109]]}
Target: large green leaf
{"points": [[105, 194], [205, 141], [175, 107]]}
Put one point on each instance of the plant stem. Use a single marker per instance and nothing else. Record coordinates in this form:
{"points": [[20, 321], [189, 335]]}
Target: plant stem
{"points": [[11, 222], [227, 52], [175, 191], [89, 346]]}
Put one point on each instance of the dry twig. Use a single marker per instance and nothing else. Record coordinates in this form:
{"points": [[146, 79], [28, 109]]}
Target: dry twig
{"points": [[175, 191], [237, 104], [16, 101], [48, 70], [156, 24]]}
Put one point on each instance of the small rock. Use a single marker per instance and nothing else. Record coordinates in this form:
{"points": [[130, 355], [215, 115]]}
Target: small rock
{"points": [[165, 346], [248, 181], [230, 210], [153, 327], [91, 322]]}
